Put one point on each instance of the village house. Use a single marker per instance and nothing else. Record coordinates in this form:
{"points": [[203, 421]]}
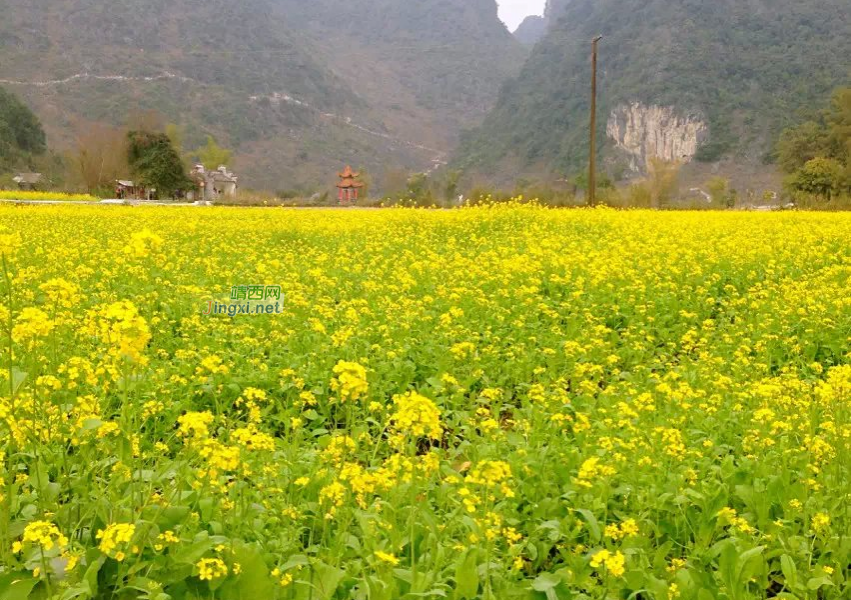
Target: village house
{"points": [[128, 190], [213, 185], [30, 181]]}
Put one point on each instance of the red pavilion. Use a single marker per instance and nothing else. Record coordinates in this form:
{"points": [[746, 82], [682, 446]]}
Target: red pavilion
{"points": [[349, 186]]}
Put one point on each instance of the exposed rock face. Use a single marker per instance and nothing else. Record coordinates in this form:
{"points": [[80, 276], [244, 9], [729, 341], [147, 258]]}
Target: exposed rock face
{"points": [[647, 132]]}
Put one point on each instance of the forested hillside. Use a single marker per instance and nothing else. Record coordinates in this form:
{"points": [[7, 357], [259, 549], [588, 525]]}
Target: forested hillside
{"points": [[745, 69], [296, 88], [21, 135]]}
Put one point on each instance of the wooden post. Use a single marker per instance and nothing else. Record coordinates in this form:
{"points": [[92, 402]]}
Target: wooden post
{"points": [[592, 162]]}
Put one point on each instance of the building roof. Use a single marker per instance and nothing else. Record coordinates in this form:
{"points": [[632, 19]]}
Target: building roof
{"points": [[347, 173], [220, 177], [28, 178], [348, 182], [125, 183]]}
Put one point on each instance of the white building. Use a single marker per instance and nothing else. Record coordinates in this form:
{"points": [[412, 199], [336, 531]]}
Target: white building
{"points": [[213, 185]]}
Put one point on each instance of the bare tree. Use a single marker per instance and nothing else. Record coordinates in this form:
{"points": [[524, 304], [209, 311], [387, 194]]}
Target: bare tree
{"points": [[100, 157]]}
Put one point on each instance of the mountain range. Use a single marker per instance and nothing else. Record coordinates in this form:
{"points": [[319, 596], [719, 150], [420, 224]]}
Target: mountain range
{"points": [[687, 80], [295, 88]]}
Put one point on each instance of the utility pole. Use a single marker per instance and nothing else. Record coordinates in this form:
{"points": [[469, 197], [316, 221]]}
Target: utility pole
{"points": [[592, 163]]}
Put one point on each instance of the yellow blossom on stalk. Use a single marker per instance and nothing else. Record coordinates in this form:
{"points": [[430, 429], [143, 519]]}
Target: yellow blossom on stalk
{"points": [[164, 539], [729, 516], [44, 534], [492, 474], [628, 528], [115, 536], [219, 457], [676, 565], [349, 381], [120, 327], [61, 293], [417, 416], [591, 470], [195, 425], [210, 569], [152, 408], [212, 365], [283, 579], [821, 523], [339, 447], [143, 243], [31, 324], [614, 563], [252, 439], [9, 244], [390, 559], [332, 495]]}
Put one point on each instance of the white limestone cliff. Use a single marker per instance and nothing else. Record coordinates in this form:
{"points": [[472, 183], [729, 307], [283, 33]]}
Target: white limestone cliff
{"points": [[646, 132]]}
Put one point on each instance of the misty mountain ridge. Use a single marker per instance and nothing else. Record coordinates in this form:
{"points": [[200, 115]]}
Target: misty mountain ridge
{"points": [[295, 88]]}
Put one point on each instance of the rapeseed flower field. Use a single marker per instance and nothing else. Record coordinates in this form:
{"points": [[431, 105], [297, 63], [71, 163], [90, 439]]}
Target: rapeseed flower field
{"points": [[502, 402], [45, 196]]}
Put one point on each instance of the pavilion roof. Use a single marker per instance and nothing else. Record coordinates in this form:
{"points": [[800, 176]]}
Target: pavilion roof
{"points": [[347, 173], [349, 182]]}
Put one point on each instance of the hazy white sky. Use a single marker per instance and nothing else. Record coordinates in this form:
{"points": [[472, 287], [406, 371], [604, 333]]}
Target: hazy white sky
{"points": [[514, 11]]}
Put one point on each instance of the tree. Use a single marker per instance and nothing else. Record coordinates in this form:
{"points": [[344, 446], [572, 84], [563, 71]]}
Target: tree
{"points": [[366, 180], [155, 163], [21, 134], [663, 179], [718, 188], [394, 183], [419, 190], [213, 156], [450, 188], [821, 177], [151, 121], [839, 126], [800, 144], [100, 158]]}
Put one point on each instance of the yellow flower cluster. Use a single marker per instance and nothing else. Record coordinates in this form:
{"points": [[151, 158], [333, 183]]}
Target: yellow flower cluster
{"points": [[210, 569], [626, 529], [43, 534], [120, 328], [613, 562], [31, 324], [349, 381], [114, 539], [143, 243], [416, 416]]}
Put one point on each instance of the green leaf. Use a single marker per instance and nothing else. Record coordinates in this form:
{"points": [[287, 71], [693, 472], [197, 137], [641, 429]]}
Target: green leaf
{"points": [[593, 526], [327, 581], [253, 581], [191, 554], [545, 582], [790, 571], [817, 582], [18, 588], [18, 379], [91, 576], [746, 558], [467, 576]]}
